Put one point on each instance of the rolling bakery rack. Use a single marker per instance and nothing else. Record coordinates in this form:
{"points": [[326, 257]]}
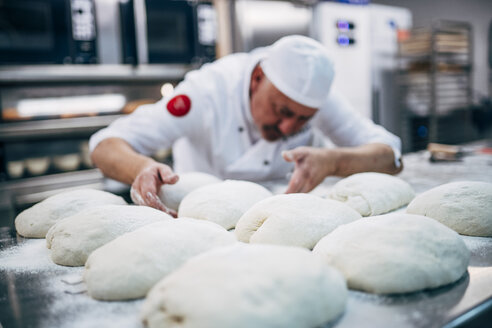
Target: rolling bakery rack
{"points": [[435, 84]]}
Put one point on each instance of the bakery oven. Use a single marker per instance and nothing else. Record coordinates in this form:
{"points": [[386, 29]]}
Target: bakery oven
{"points": [[167, 31], [45, 127], [47, 32]]}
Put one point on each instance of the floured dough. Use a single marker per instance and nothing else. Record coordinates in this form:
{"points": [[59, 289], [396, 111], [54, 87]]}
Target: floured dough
{"points": [[293, 219], [171, 195], [222, 203], [371, 193], [465, 207], [395, 253], [74, 238], [35, 221], [128, 266], [244, 286]]}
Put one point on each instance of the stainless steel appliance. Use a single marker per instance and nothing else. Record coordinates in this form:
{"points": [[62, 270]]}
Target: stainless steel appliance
{"points": [[258, 23], [167, 31], [47, 32], [490, 59], [362, 40]]}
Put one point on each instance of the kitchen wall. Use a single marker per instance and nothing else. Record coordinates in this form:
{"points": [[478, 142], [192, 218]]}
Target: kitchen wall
{"points": [[476, 12]]}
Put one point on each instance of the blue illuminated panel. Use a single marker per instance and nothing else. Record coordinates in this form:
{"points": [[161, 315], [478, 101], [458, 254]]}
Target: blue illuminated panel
{"points": [[344, 40], [344, 25]]}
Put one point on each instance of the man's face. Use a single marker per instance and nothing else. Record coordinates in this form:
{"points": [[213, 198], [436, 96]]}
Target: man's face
{"points": [[275, 114]]}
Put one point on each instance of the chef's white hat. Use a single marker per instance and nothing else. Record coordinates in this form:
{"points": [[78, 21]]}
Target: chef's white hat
{"points": [[300, 68]]}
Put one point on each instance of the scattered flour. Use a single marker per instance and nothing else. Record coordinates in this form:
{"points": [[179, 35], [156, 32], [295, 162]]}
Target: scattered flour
{"points": [[65, 302], [480, 248], [31, 255], [81, 311]]}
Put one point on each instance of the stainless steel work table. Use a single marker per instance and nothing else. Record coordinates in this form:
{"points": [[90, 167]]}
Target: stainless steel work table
{"points": [[34, 292]]}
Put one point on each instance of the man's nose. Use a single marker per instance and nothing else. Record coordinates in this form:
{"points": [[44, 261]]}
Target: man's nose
{"points": [[287, 125]]}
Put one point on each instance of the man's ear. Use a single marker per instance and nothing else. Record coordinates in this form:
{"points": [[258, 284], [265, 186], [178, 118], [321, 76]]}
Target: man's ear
{"points": [[257, 77]]}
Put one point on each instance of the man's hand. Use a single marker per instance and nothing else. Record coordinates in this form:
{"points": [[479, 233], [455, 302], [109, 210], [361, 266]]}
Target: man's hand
{"points": [[147, 184], [312, 165]]}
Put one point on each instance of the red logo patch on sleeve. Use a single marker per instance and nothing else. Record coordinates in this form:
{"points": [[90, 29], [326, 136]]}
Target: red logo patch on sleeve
{"points": [[180, 105]]}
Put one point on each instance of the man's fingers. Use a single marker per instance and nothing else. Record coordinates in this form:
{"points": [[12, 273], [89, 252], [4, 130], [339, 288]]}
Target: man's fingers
{"points": [[136, 197], [153, 201], [294, 155], [306, 188], [295, 183], [167, 176], [287, 155]]}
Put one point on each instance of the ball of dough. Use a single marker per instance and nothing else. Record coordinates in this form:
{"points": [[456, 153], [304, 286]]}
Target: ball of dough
{"points": [[15, 169], [465, 207], [395, 253], [74, 238], [172, 194], [371, 193], [128, 266], [37, 165], [222, 203], [293, 219], [67, 162], [248, 286], [35, 221]]}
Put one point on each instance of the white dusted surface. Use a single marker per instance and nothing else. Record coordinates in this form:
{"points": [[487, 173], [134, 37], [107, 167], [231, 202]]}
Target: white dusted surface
{"points": [[36, 296]]}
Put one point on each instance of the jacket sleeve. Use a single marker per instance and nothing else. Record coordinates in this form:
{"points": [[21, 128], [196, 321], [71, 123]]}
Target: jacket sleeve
{"points": [[345, 127], [153, 127]]}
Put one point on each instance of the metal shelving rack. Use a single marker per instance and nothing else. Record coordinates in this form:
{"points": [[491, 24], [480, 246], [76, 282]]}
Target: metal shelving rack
{"points": [[47, 137], [435, 79]]}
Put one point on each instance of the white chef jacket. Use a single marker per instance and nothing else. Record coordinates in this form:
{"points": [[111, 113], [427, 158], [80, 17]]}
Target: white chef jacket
{"points": [[218, 136]]}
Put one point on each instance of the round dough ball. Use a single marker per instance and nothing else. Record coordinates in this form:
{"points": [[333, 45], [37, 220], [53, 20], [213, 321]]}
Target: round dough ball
{"points": [[172, 194], [37, 165], [293, 219], [15, 169], [127, 267], [371, 193], [222, 203], [465, 207], [395, 253], [67, 162], [35, 221], [74, 238], [248, 286]]}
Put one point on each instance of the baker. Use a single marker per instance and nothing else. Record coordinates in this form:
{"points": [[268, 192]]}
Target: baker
{"points": [[252, 116]]}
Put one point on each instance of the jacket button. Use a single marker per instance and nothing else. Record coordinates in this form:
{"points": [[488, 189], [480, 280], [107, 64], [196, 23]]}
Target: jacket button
{"points": [[265, 162], [240, 129]]}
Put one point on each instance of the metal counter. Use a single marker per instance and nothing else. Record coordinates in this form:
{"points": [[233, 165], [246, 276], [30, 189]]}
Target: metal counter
{"points": [[35, 292]]}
